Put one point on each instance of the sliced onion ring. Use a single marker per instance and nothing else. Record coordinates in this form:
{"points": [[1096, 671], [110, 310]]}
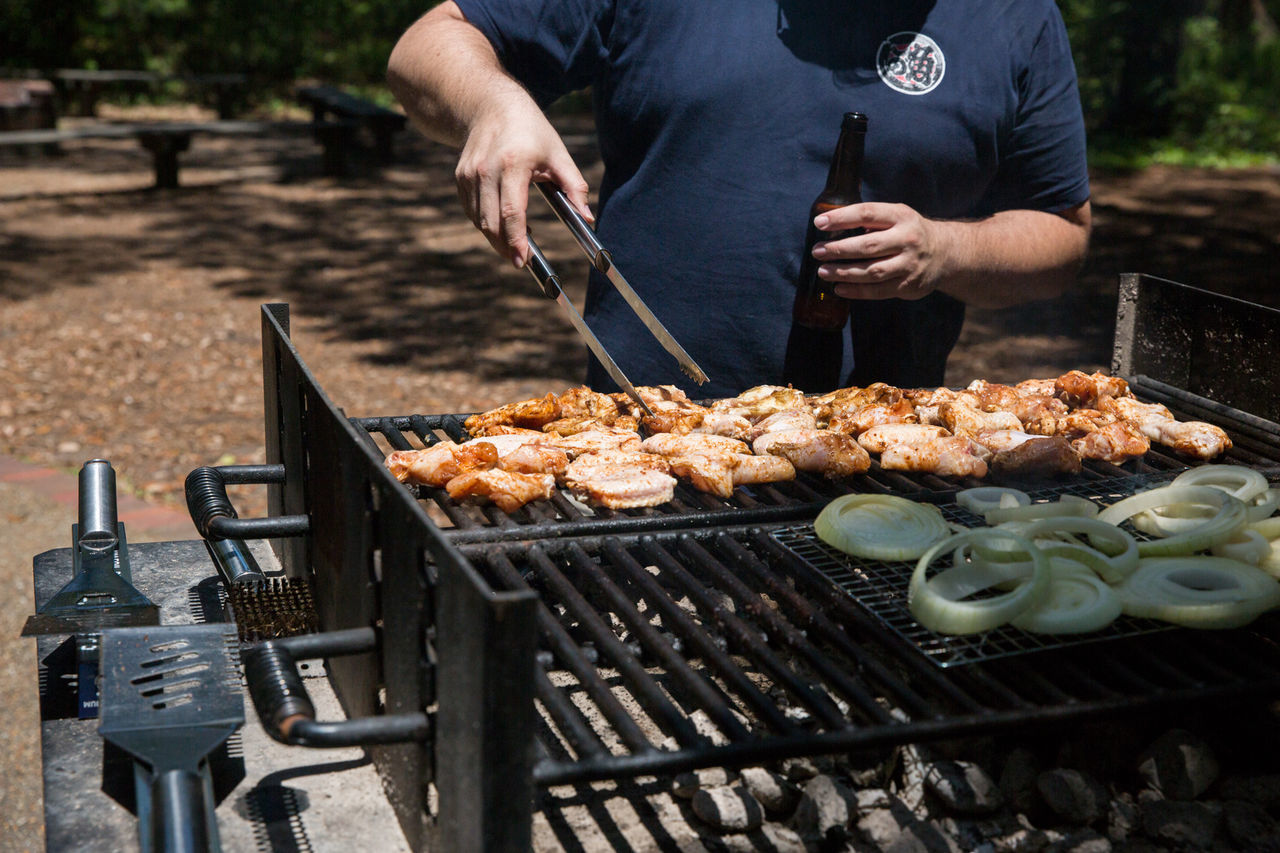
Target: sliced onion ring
{"points": [[1077, 603], [880, 527], [948, 616], [1247, 546], [1198, 592], [1117, 549], [980, 499], [1230, 517], [1066, 505], [1237, 480]]}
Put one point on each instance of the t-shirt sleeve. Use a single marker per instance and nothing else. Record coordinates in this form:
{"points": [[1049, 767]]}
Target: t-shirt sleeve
{"points": [[551, 46], [1044, 165]]}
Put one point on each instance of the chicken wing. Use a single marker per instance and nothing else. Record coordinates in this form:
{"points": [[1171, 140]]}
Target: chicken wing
{"points": [[438, 464], [879, 437], [1191, 438], [946, 456], [620, 479], [509, 490], [820, 451], [531, 414]]}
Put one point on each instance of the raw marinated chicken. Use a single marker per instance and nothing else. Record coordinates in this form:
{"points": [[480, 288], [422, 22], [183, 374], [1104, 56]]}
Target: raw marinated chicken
{"points": [[963, 419], [675, 417], [1079, 389], [820, 451], [724, 423], [1038, 413], [1001, 440], [1038, 387], [879, 437], [438, 464], [535, 459], [575, 425], [582, 402], [1190, 438], [620, 479], [847, 400], [509, 490], [858, 421], [592, 440], [720, 473], [946, 456], [531, 414], [762, 400], [787, 419], [507, 442], [693, 444], [1038, 456], [1115, 442]]}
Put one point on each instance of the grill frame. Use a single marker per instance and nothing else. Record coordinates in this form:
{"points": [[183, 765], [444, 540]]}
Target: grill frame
{"points": [[463, 647]]}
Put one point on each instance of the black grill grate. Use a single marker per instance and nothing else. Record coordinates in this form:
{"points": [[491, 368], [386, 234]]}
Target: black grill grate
{"points": [[666, 651]]}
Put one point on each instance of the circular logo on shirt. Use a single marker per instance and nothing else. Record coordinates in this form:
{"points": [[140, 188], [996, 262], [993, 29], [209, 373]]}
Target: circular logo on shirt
{"points": [[910, 62]]}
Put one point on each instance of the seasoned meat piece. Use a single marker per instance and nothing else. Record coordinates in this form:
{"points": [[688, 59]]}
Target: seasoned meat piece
{"points": [[575, 425], [620, 479], [761, 401], [440, 463], [719, 473], [786, 419], [507, 489], [724, 423], [535, 459], [1114, 442], [1037, 456], [531, 414], [856, 422], [847, 400], [1191, 438], [673, 417], [600, 438], [1038, 387], [582, 402], [832, 454], [946, 456], [697, 443], [1079, 389], [1038, 413], [963, 419], [878, 437]]}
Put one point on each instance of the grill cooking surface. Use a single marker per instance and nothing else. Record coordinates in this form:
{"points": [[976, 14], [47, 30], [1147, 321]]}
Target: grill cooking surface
{"points": [[802, 498], [674, 650], [881, 587]]}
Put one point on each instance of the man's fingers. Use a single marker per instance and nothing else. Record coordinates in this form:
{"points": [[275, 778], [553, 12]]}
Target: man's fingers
{"points": [[870, 215], [513, 213]]}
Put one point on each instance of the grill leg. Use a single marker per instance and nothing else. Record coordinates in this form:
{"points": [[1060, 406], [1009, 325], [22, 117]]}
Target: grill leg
{"points": [[484, 743]]}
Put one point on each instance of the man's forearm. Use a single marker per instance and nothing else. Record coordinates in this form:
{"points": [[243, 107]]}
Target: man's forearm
{"points": [[445, 73], [1014, 256]]}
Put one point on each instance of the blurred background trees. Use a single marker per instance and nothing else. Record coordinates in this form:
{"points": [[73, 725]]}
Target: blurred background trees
{"points": [[1194, 79]]}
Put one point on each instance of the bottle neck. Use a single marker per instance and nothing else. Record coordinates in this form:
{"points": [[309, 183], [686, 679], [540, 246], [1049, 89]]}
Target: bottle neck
{"points": [[844, 180]]}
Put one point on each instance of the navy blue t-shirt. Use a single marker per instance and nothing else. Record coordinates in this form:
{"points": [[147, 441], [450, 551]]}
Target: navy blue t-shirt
{"points": [[717, 120]]}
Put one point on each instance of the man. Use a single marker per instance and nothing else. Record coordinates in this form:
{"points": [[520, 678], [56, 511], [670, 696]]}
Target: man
{"points": [[716, 122]]}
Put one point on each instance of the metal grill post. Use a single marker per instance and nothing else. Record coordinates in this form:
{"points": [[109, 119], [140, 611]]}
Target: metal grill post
{"points": [[486, 720]]}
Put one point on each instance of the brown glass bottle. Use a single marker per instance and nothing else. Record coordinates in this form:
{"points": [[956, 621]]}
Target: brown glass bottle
{"points": [[819, 315]]}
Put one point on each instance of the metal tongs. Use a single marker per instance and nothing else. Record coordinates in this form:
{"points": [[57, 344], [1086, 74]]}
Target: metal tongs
{"points": [[600, 258]]}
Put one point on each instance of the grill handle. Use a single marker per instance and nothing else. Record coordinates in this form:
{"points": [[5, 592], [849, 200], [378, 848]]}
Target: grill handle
{"points": [[282, 703], [214, 516]]}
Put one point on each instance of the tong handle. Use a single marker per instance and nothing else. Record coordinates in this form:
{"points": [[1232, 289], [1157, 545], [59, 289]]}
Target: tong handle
{"points": [[582, 232], [541, 270]]}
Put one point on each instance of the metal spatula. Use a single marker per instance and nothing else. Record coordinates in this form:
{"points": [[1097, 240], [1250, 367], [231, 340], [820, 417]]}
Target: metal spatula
{"points": [[170, 696]]}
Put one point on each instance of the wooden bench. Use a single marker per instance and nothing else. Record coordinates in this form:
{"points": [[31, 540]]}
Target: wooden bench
{"points": [[166, 141], [328, 102], [86, 86]]}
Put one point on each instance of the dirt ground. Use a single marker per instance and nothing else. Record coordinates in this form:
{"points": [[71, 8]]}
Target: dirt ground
{"points": [[129, 317]]}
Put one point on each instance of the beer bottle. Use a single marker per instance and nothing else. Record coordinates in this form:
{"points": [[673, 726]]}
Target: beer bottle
{"points": [[819, 316]]}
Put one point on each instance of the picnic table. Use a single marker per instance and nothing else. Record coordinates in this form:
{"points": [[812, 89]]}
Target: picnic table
{"points": [[328, 102], [166, 140], [85, 86]]}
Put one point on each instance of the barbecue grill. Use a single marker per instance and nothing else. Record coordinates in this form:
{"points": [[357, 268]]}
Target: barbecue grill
{"points": [[482, 655]]}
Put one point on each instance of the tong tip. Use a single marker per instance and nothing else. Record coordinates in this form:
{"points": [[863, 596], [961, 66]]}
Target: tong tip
{"points": [[694, 373]]}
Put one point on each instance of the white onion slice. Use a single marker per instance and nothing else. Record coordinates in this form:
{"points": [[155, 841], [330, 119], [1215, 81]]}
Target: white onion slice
{"points": [[1237, 480], [1263, 506], [1228, 519], [980, 499], [1076, 603], [1198, 592], [950, 616], [1247, 546], [880, 527], [1067, 505], [1116, 548]]}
